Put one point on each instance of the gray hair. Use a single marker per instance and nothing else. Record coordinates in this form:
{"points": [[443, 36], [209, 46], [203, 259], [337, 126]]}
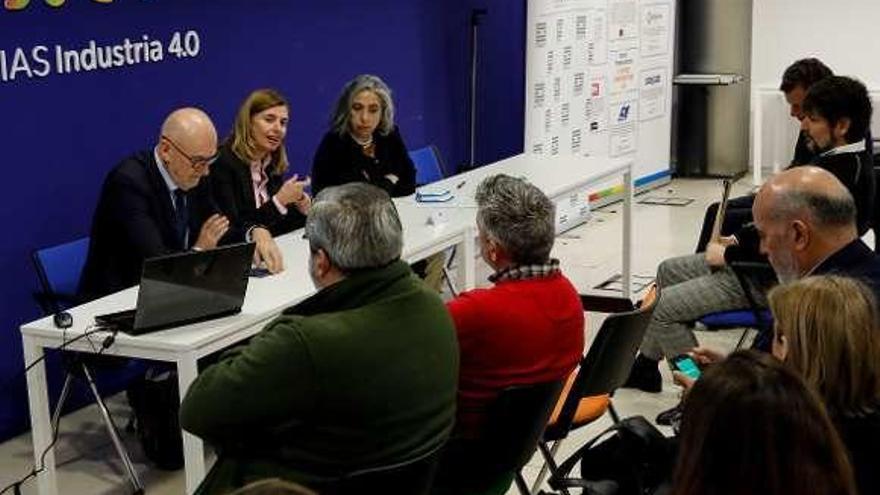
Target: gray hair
{"points": [[829, 210], [339, 122], [357, 225], [518, 216]]}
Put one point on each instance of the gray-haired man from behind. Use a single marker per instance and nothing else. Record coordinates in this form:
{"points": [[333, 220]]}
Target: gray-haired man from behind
{"points": [[361, 375]]}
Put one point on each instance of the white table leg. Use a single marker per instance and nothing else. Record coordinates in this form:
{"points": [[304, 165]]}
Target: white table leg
{"points": [[626, 273], [41, 427], [468, 266], [193, 448]]}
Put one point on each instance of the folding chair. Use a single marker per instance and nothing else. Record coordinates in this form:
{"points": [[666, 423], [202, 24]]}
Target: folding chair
{"points": [[488, 464], [59, 269], [587, 394]]}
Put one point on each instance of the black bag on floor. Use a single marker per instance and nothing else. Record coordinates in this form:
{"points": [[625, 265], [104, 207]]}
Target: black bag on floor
{"points": [[632, 454], [156, 405]]}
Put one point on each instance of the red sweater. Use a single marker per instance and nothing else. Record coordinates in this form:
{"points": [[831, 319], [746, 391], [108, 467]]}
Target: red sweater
{"points": [[517, 332]]}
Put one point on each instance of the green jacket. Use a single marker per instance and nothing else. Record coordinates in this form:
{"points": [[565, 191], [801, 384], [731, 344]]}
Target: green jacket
{"points": [[362, 374]]}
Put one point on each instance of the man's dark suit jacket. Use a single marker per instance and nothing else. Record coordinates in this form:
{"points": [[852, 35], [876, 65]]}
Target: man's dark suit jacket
{"points": [[233, 188], [134, 220], [855, 260]]}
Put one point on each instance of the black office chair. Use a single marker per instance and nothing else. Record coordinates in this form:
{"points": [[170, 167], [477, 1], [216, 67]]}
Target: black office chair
{"points": [[605, 368], [487, 465], [59, 269], [411, 477]]}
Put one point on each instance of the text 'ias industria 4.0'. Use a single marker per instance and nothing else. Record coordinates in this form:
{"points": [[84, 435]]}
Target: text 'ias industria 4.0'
{"points": [[40, 61]]}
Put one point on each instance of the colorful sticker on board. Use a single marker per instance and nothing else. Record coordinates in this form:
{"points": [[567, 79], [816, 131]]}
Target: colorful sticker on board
{"points": [[22, 4]]}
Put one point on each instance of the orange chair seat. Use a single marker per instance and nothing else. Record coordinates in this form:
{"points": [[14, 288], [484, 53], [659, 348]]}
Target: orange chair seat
{"points": [[589, 408]]}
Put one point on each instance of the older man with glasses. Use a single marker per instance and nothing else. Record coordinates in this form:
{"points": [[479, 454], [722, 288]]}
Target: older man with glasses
{"points": [[154, 203]]}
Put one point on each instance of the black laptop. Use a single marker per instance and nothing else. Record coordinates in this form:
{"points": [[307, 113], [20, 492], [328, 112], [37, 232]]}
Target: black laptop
{"points": [[186, 288]]}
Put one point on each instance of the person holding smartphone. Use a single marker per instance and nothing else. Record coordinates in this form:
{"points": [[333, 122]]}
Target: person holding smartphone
{"points": [[840, 362], [753, 426]]}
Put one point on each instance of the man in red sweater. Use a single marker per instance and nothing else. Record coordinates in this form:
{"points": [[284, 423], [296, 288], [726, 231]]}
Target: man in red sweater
{"points": [[527, 328]]}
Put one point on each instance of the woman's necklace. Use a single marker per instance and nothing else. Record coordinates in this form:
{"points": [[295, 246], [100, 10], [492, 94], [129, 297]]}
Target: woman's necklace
{"points": [[365, 143]]}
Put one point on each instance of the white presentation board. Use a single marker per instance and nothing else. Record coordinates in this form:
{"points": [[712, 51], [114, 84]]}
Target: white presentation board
{"points": [[599, 82]]}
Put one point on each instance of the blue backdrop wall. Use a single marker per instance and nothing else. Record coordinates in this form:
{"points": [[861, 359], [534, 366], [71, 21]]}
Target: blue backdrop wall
{"points": [[63, 129]]}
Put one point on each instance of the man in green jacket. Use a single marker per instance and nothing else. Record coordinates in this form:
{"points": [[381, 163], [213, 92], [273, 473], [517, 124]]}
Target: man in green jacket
{"points": [[361, 375]]}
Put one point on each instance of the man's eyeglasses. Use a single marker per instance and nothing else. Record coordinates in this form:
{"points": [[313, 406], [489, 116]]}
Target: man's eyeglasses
{"points": [[196, 162]]}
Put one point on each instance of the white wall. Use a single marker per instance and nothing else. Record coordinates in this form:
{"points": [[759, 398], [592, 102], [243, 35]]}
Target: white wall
{"points": [[845, 34]]}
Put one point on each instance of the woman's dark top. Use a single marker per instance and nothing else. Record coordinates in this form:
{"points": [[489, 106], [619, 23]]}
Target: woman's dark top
{"points": [[233, 190], [340, 160], [861, 436]]}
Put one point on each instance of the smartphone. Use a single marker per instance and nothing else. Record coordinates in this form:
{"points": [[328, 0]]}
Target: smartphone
{"points": [[687, 365], [259, 272]]}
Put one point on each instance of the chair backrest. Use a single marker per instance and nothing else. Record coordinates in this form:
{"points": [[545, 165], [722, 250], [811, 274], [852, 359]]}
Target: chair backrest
{"points": [[607, 364], [508, 438], [410, 477], [516, 420], [429, 165], [59, 269]]}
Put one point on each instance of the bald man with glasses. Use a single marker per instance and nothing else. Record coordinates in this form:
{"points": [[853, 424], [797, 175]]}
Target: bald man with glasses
{"points": [[155, 203]]}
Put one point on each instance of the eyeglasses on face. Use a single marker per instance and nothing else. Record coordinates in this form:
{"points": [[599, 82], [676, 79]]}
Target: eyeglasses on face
{"points": [[196, 162]]}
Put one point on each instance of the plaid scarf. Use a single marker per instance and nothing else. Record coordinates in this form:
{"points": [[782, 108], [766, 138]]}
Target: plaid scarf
{"points": [[523, 272]]}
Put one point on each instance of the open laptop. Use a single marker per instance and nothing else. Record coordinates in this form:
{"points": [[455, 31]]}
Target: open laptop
{"points": [[186, 288]]}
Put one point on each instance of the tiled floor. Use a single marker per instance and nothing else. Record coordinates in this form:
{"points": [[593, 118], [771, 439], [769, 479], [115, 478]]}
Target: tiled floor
{"points": [[589, 255]]}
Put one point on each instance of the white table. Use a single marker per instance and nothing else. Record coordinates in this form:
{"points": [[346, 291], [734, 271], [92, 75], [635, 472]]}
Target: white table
{"points": [[267, 297], [558, 177]]}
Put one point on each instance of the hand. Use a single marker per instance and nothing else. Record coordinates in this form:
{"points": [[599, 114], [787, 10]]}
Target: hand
{"points": [[267, 250], [686, 382], [728, 240], [705, 356], [212, 230], [305, 204], [715, 253], [292, 190]]}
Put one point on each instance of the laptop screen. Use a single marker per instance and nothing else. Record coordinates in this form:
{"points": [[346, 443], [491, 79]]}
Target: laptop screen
{"points": [[192, 286]]}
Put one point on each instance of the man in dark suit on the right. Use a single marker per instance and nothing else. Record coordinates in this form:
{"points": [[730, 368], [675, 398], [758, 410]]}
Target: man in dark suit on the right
{"points": [[806, 224]]}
